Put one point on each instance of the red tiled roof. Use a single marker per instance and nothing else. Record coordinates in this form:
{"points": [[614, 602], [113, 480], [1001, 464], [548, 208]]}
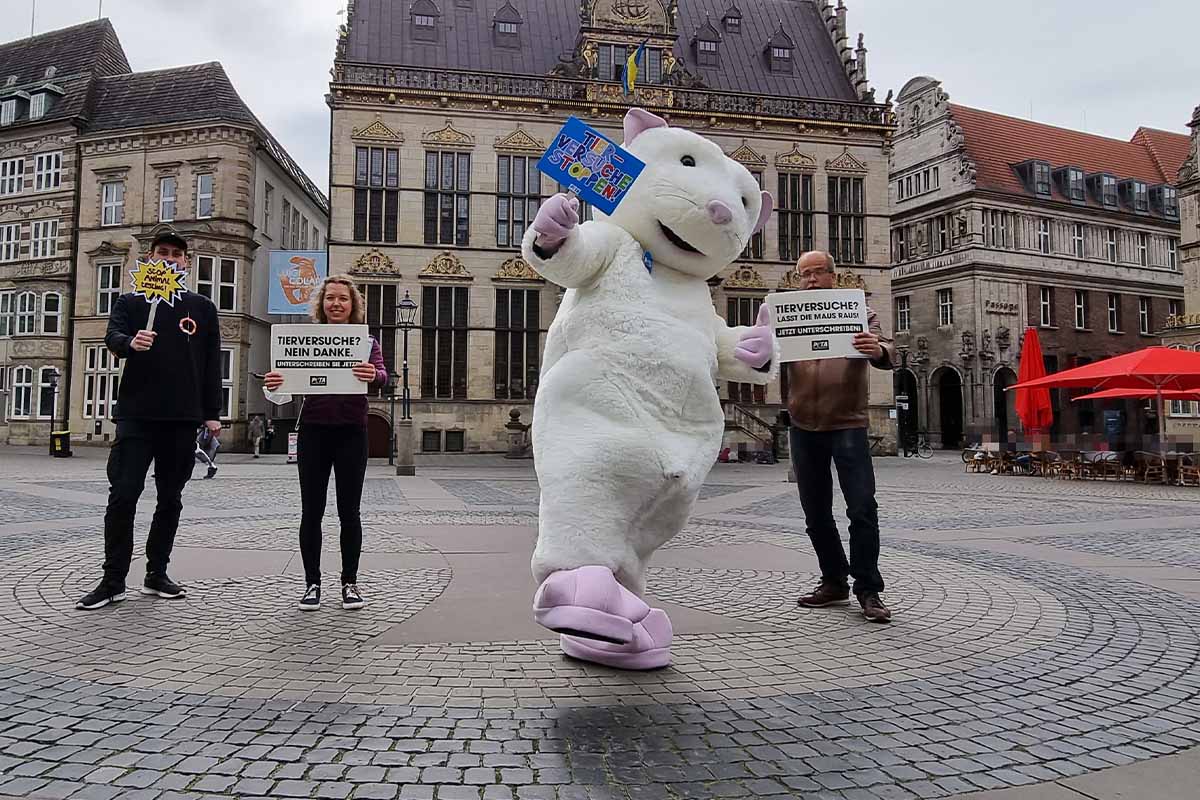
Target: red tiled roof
{"points": [[1169, 150], [997, 142]]}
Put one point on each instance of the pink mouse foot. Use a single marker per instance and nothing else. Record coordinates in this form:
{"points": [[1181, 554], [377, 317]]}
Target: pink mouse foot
{"points": [[588, 602], [649, 649]]}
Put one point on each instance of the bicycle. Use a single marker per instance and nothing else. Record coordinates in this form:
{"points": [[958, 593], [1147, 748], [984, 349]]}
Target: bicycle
{"points": [[917, 444]]}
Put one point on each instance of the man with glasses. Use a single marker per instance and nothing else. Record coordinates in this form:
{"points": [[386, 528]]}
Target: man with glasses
{"points": [[827, 403]]}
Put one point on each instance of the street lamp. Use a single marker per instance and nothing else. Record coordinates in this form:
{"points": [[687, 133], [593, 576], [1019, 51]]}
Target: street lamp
{"points": [[406, 318]]}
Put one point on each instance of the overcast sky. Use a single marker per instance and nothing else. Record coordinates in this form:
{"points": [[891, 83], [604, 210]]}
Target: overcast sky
{"points": [[1106, 66]]}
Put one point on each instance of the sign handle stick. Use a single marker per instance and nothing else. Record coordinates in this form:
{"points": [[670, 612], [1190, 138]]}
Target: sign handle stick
{"points": [[153, 310]]}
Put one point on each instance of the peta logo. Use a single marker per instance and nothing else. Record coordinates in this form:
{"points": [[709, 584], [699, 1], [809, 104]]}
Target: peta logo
{"points": [[318, 380], [820, 344]]}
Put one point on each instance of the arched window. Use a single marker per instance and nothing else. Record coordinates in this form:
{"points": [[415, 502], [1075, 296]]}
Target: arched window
{"points": [[22, 395], [26, 313]]}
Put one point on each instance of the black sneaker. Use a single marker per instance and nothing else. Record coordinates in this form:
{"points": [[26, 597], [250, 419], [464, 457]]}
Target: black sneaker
{"points": [[211, 472], [159, 585], [101, 596], [351, 599], [312, 598]]}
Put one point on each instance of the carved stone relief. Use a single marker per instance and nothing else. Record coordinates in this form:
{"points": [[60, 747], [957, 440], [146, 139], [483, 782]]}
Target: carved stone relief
{"points": [[446, 265]]}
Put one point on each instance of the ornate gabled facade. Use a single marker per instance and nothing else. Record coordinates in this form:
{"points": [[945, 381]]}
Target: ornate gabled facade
{"points": [[1183, 328], [1001, 223], [470, 94], [88, 176]]}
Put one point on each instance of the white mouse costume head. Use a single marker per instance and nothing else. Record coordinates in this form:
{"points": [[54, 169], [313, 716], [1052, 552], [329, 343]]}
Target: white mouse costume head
{"points": [[693, 208]]}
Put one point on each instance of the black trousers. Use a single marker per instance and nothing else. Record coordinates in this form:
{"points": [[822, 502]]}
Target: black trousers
{"points": [[850, 452], [170, 445], [320, 448]]}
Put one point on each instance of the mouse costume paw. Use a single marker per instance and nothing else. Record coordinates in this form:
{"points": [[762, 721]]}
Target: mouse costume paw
{"points": [[650, 647], [590, 603]]}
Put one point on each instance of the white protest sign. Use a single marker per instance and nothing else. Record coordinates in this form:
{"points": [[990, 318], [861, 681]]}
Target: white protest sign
{"points": [[820, 323], [320, 359]]}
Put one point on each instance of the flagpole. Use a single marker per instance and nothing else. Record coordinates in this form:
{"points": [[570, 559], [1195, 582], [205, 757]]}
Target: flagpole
{"points": [[32, 15]]}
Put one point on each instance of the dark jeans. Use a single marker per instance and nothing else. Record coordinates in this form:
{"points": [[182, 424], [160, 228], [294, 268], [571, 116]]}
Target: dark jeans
{"points": [[851, 454], [170, 446], [342, 448]]}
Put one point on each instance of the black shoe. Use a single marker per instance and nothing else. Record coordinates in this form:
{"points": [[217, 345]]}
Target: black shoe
{"points": [[873, 608], [101, 596], [312, 598], [211, 472], [351, 599], [160, 585], [827, 594]]}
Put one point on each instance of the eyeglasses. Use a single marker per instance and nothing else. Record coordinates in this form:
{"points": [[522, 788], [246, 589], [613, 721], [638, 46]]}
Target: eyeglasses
{"points": [[810, 274]]}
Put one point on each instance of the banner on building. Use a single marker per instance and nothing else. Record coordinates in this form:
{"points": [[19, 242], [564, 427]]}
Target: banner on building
{"points": [[295, 277], [319, 359], [591, 165], [820, 323]]}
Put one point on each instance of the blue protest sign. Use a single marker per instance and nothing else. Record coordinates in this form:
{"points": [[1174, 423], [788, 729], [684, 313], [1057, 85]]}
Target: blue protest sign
{"points": [[591, 165]]}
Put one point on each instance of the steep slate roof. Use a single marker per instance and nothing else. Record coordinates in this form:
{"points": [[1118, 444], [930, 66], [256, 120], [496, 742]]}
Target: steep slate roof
{"points": [[380, 34], [165, 96], [996, 143], [78, 54]]}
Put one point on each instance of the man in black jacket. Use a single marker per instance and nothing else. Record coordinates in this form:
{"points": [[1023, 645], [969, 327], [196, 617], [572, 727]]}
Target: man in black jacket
{"points": [[170, 385]]}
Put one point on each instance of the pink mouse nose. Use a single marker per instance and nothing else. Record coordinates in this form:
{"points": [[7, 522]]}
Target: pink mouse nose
{"points": [[718, 212]]}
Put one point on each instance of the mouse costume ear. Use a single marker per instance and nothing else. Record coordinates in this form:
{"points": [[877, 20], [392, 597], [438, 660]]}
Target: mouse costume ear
{"points": [[638, 121], [768, 205]]}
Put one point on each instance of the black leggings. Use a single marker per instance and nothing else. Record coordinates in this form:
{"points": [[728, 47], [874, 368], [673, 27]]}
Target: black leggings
{"points": [[344, 449]]}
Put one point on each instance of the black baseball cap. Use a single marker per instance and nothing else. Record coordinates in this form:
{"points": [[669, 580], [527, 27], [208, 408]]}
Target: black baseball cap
{"points": [[172, 239]]}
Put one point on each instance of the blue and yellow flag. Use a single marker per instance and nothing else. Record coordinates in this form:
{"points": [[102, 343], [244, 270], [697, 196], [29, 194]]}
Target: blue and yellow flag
{"points": [[631, 68]]}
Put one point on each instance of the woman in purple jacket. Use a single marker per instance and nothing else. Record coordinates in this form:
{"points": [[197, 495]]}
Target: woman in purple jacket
{"points": [[333, 435]]}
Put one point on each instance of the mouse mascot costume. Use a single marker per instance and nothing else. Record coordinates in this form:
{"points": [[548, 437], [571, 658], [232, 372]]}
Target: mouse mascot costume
{"points": [[627, 421]]}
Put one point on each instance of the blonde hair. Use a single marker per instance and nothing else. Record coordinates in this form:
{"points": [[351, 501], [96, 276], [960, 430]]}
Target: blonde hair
{"points": [[358, 310]]}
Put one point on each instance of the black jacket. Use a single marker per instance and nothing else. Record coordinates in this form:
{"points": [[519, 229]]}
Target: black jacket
{"points": [[179, 378]]}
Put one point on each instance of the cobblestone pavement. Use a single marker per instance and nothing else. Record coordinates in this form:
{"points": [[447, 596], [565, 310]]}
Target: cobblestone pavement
{"points": [[1044, 629]]}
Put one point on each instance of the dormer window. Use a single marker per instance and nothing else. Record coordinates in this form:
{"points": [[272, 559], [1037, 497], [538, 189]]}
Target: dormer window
{"points": [[37, 106], [709, 54], [1070, 183], [731, 21], [707, 42], [424, 20], [1135, 194], [1041, 178], [779, 50], [1165, 200], [507, 26], [1108, 190], [8, 112]]}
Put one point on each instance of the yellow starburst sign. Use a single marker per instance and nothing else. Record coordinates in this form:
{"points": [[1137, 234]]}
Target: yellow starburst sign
{"points": [[158, 280]]}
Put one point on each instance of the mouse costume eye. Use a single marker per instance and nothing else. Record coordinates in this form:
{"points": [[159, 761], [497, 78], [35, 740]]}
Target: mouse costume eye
{"points": [[688, 161], [745, 202]]}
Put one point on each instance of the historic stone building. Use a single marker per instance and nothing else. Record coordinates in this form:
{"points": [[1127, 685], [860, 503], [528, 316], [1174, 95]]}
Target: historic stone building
{"points": [[1183, 329], [131, 154], [1001, 223], [442, 108]]}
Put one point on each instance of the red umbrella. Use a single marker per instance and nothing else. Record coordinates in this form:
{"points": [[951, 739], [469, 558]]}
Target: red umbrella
{"points": [[1033, 405], [1137, 394]]}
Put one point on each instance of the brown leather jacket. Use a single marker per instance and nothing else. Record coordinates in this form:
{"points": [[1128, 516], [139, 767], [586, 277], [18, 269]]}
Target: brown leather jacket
{"points": [[830, 394]]}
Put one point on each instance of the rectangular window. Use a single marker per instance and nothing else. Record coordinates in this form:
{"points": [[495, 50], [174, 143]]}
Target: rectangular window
{"points": [[518, 195], [12, 176], [847, 220], [707, 54], [744, 311], [44, 238], [1108, 190], [22, 392], [1143, 249], [51, 314], [903, 311], [943, 234], [1171, 202], [1110, 244], [1043, 235], [997, 228], [294, 234], [10, 241], [506, 28], [925, 181], [166, 198], [936, 178], [381, 320], [216, 279], [101, 380], [37, 106], [8, 112], [1077, 241], [444, 342], [285, 225], [1041, 178], [226, 383], [1081, 309], [1075, 184], [47, 381], [945, 298], [1141, 196], [112, 203], [1172, 254], [1144, 315], [204, 196], [108, 286], [908, 186], [518, 337], [795, 215], [8, 304], [26, 313], [268, 206], [423, 21], [901, 244], [1174, 308], [1114, 313], [1046, 298], [303, 233], [47, 171], [376, 194], [756, 246], [447, 198]]}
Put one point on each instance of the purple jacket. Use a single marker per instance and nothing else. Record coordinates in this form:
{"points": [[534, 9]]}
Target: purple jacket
{"points": [[344, 409]]}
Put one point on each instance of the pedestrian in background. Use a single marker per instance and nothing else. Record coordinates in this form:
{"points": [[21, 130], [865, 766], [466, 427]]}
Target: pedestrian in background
{"points": [[258, 429], [333, 436]]}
